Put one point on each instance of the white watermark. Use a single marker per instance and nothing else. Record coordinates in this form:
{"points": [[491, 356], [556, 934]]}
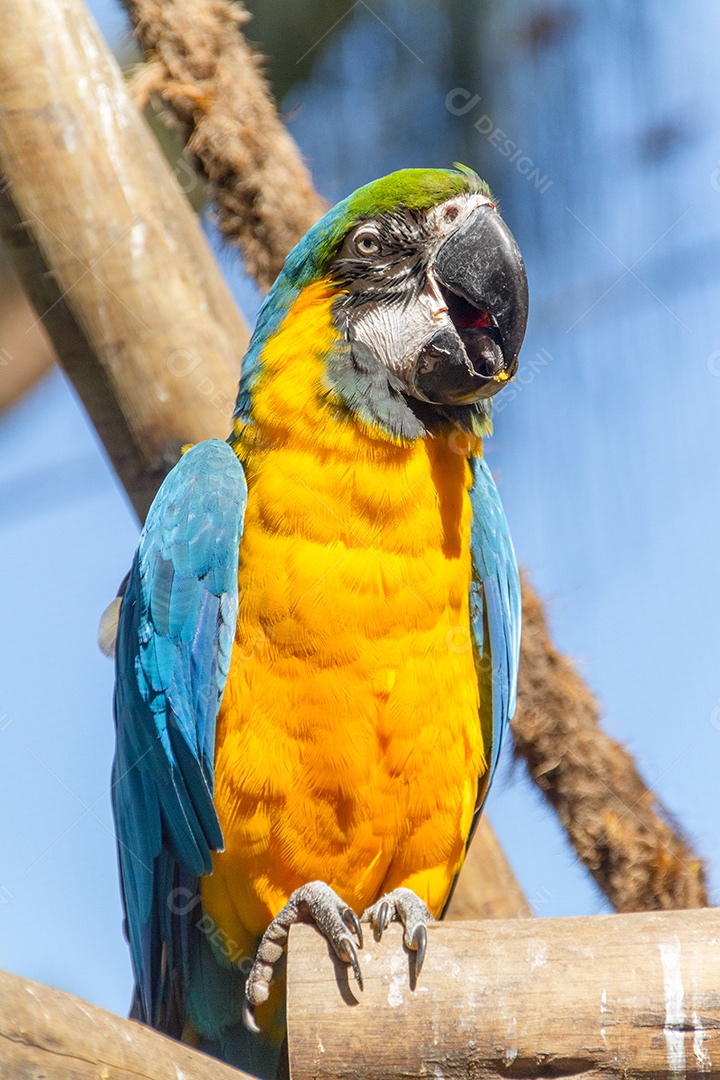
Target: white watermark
{"points": [[461, 102]]}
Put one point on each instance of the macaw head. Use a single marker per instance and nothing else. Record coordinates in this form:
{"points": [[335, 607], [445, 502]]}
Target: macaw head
{"points": [[429, 299]]}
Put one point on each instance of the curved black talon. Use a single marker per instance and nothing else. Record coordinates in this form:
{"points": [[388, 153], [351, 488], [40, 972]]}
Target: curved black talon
{"points": [[353, 922], [382, 919], [406, 906], [352, 958], [419, 943], [248, 1016]]}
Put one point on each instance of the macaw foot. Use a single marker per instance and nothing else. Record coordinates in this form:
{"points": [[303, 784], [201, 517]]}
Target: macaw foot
{"points": [[316, 903], [411, 911]]}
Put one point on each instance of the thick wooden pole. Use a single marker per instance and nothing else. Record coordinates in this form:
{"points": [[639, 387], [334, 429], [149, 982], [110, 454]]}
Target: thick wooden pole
{"points": [[108, 248], [602, 996], [45, 1033]]}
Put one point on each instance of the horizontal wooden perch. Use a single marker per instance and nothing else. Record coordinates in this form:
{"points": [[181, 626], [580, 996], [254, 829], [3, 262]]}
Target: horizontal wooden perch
{"points": [[616, 995], [47, 1033], [602, 996], [54, 1036]]}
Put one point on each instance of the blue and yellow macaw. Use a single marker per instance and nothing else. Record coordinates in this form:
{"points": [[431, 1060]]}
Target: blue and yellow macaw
{"points": [[318, 642]]}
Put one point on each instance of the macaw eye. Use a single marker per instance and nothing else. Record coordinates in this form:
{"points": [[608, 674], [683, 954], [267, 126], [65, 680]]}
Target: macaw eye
{"points": [[367, 243]]}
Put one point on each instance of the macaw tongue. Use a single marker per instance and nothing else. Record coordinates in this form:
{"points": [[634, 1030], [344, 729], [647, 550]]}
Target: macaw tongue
{"points": [[464, 315], [474, 322]]}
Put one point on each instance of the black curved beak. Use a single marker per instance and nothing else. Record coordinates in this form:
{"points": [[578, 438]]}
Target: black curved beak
{"points": [[482, 275]]}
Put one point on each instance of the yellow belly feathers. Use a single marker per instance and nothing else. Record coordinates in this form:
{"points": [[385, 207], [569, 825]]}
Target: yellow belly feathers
{"points": [[348, 745]]}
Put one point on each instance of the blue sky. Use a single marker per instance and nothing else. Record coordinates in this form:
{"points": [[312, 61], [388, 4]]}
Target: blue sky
{"points": [[606, 454]]}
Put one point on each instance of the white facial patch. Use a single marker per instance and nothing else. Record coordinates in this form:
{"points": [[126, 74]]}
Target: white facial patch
{"points": [[396, 333], [450, 215]]}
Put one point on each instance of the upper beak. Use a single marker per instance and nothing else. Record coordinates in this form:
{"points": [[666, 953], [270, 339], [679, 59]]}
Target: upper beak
{"points": [[482, 275]]}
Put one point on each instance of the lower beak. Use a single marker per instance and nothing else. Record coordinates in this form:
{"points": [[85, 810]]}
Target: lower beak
{"points": [[482, 276]]}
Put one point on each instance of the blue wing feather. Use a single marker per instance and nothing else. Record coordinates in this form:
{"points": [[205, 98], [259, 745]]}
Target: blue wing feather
{"points": [[175, 635], [495, 609]]}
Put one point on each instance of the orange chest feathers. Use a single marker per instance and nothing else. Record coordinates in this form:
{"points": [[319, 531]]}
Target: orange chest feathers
{"points": [[348, 745]]}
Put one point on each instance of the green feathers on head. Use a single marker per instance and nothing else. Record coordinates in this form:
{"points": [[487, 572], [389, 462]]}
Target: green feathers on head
{"points": [[417, 189]]}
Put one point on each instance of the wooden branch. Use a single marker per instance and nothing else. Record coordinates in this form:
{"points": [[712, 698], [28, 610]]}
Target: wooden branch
{"points": [[47, 1033], [204, 70], [603, 996], [108, 249], [618, 827]]}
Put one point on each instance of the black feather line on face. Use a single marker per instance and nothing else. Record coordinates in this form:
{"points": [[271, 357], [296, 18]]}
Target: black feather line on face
{"points": [[397, 273]]}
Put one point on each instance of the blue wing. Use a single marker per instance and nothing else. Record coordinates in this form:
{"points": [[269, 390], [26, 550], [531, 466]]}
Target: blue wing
{"points": [[495, 612], [175, 635]]}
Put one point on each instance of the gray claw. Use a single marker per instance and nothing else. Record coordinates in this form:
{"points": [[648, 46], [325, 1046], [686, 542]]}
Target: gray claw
{"points": [[352, 958], [419, 943], [249, 1018], [382, 918], [353, 922], [318, 903]]}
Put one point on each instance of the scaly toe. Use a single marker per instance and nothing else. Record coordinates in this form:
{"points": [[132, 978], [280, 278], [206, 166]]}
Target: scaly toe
{"points": [[405, 906], [315, 902]]}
